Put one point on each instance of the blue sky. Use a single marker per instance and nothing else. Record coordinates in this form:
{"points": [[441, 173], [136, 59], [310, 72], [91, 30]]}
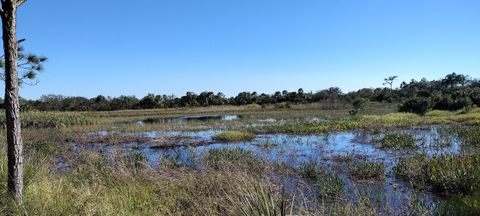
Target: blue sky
{"points": [[113, 47]]}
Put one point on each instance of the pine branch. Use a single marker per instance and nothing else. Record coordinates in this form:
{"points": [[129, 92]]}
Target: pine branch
{"points": [[20, 2]]}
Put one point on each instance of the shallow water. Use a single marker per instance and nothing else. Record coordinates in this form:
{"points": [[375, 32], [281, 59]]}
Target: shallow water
{"points": [[183, 119], [293, 150]]}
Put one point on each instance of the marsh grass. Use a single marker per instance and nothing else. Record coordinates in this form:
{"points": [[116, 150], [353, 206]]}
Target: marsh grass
{"points": [[327, 182], [123, 185], [37, 119], [233, 158], [443, 137], [310, 170], [395, 140], [330, 185], [468, 135], [445, 174], [460, 205], [233, 136], [266, 143], [228, 182], [368, 170], [374, 122], [347, 158]]}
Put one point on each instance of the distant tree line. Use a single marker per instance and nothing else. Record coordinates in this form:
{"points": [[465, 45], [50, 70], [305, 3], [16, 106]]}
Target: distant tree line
{"points": [[453, 92]]}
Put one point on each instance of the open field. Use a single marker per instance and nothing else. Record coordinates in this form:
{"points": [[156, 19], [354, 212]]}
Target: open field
{"points": [[246, 160]]}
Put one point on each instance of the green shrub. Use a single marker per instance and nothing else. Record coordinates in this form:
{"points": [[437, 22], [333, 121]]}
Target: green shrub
{"points": [[231, 136], [282, 105], [416, 105], [254, 107]]}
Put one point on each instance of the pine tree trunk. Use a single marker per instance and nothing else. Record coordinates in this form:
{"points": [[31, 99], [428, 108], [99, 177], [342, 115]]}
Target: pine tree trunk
{"points": [[12, 103]]}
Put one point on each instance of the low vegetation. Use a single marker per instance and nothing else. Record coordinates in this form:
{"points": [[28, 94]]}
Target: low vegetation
{"points": [[368, 170], [374, 122], [397, 141], [468, 136], [310, 170], [445, 174], [238, 158], [453, 92], [67, 179], [36, 119], [324, 180], [233, 136]]}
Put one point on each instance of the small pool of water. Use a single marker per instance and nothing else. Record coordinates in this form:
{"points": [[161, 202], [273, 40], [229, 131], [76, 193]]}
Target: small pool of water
{"points": [[183, 119]]}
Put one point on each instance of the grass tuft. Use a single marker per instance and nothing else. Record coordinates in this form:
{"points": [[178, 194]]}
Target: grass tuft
{"points": [[445, 174], [397, 141], [233, 136], [368, 170]]}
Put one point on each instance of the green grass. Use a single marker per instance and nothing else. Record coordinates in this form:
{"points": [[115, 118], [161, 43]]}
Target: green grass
{"points": [[36, 119], [460, 205], [233, 136], [374, 122], [446, 174], [468, 135], [330, 185], [324, 180], [228, 181], [368, 170], [310, 170], [233, 158], [397, 141]]}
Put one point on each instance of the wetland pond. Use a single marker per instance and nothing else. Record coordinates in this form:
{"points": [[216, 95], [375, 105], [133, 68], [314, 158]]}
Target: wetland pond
{"points": [[193, 118], [292, 151]]}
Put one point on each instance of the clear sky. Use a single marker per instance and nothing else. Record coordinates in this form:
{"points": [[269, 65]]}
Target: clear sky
{"points": [[115, 47]]}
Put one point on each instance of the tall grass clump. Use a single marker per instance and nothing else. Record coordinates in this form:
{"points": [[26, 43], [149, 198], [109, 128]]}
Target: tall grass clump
{"points": [[253, 107], [368, 170], [396, 141], [468, 135], [37, 119], [324, 180], [255, 198], [236, 158], [310, 169], [330, 185], [459, 205], [445, 174], [233, 136]]}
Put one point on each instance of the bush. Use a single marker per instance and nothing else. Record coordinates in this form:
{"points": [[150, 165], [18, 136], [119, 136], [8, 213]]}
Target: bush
{"points": [[282, 105], [254, 107], [416, 105], [475, 96], [358, 106]]}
